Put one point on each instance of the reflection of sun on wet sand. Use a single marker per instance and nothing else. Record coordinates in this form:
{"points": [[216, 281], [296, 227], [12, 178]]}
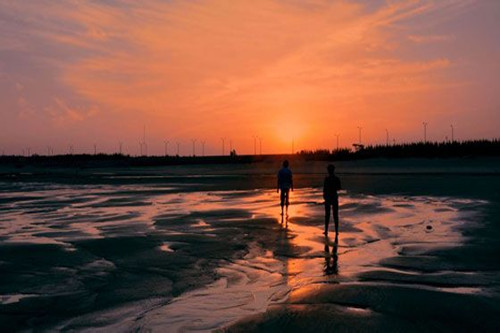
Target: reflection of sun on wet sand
{"points": [[384, 256], [383, 240]]}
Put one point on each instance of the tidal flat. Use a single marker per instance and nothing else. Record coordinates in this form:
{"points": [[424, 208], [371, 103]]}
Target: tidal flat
{"points": [[204, 248]]}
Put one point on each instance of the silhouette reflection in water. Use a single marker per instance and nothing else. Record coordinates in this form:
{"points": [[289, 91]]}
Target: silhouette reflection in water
{"points": [[284, 219], [331, 261]]}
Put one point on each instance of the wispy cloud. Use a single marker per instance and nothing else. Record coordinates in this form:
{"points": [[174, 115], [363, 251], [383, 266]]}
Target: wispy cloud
{"points": [[62, 114], [422, 39]]}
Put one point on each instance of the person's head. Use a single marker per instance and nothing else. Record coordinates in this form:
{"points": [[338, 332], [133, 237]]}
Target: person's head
{"points": [[285, 164], [331, 169]]}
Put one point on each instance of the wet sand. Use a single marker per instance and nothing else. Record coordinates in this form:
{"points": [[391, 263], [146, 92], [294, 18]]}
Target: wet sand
{"points": [[182, 252]]}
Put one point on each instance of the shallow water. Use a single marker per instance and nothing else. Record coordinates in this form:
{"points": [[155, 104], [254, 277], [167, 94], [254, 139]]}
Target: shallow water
{"points": [[178, 255]]}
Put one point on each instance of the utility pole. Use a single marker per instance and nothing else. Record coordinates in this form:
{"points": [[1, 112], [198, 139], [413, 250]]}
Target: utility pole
{"points": [[203, 148], [120, 147], [386, 137], [359, 133], [425, 131], [260, 145], [230, 146]]}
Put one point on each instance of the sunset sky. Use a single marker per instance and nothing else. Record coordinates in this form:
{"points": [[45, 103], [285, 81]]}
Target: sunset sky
{"points": [[95, 72]]}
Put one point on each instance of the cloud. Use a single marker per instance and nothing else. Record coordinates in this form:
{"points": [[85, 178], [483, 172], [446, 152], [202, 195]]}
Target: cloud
{"points": [[192, 55], [62, 114], [421, 39]]}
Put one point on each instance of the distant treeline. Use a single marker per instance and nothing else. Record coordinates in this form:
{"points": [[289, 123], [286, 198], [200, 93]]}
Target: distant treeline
{"points": [[409, 150], [406, 150]]}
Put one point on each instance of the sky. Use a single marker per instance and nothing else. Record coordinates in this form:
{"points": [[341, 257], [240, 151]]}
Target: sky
{"points": [[287, 74]]}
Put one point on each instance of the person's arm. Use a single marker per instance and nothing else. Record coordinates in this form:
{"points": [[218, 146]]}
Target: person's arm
{"points": [[324, 188], [339, 186]]}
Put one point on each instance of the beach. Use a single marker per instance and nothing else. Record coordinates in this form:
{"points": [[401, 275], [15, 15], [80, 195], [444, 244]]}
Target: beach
{"points": [[204, 248]]}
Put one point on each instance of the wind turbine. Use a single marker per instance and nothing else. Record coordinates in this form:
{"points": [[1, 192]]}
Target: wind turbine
{"points": [[255, 144], [194, 146], [144, 146], [203, 148], [166, 147], [223, 141], [425, 131]]}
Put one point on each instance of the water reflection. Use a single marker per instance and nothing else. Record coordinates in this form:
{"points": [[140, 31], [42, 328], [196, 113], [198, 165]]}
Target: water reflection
{"points": [[331, 260], [284, 219]]}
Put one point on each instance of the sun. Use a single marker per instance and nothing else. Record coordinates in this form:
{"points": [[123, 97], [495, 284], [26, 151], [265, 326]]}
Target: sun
{"points": [[289, 132]]}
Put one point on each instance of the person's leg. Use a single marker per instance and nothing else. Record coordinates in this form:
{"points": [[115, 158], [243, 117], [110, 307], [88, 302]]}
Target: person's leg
{"points": [[335, 207], [282, 200], [287, 202], [327, 217]]}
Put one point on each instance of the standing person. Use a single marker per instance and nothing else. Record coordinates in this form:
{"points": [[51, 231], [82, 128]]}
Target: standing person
{"points": [[330, 188], [285, 184]]}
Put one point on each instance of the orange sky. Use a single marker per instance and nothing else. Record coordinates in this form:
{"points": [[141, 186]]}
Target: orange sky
{"points": [[85, 72]]}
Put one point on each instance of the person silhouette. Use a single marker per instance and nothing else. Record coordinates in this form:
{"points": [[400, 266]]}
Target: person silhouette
{"points": [[330, 187], [285, 184]]}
